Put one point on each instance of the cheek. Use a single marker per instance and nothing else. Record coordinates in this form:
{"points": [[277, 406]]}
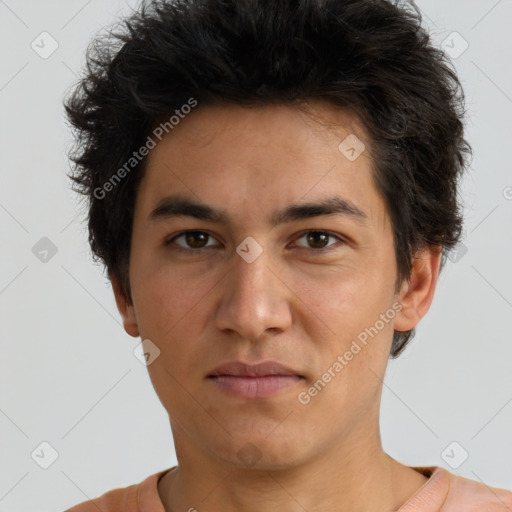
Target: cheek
{"points": [[343, 302], [162, 301], [350, 309], [173, 311]]}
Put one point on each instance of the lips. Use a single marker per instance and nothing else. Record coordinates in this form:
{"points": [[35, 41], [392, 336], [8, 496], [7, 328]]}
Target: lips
{"points": [[250, 381], [264, 369]]}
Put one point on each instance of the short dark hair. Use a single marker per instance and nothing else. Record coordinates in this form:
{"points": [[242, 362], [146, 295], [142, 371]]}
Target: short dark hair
{"points": [[369, 56]]}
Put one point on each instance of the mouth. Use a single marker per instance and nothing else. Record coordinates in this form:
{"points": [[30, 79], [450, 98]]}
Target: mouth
{"points": [[261, 380]]}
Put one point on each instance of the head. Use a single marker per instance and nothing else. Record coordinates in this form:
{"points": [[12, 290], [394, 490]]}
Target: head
{"points": [[323, 139]]}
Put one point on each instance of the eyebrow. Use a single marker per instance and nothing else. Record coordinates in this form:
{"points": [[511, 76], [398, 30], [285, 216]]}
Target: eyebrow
{"points": [[180, 206]]}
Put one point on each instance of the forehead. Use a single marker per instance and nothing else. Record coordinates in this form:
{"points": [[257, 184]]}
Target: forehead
{"points": [[283, 124], [245, 159]]}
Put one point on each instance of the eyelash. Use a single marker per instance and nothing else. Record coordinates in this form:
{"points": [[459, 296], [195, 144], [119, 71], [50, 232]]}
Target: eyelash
{"points": [[187, 250]]}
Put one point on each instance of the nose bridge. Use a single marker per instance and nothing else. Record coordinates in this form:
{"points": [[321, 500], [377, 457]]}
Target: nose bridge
{"points": [[252, 300]]}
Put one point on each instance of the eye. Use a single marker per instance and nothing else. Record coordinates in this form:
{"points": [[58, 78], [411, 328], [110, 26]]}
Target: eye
{"points": [[318, 240], [195, 240]]}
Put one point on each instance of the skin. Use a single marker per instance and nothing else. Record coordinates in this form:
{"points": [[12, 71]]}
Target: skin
{"points": [[292, 304]]}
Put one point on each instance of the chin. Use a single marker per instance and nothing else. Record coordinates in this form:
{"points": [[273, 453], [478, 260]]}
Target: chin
{"points": [[253, 451]]}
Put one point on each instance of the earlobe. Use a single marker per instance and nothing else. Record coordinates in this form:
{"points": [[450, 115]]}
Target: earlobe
{"points": [[416, 294], [125, 308]]}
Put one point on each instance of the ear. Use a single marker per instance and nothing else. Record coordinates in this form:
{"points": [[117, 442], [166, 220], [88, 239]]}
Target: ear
{"points": [[125, 308], [416, 294]]}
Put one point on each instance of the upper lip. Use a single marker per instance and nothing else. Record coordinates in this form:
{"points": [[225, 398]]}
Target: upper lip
{"points": [[241, 369]]}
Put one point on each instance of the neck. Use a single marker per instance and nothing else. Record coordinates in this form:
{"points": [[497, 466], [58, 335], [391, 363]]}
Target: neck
{"points": [[355, 476]]}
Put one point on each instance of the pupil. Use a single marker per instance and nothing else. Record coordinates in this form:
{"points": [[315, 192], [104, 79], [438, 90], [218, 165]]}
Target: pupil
{"points": [[313, 237], [192, 236]]}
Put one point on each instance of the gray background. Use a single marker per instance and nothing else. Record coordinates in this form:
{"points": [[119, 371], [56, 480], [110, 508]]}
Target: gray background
{"points": [[68, 375]]}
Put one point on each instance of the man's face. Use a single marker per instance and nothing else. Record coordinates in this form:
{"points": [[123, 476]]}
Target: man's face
{"points": [[211, 298]]}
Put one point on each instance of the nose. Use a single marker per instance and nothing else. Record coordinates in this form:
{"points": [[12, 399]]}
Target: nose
{"points": [[254, 299]]}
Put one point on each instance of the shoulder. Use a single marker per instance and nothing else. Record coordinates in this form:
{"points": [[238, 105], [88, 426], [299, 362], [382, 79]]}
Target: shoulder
{"points": [[446, 492], [475, 496], [124, 498], [132, 498]]}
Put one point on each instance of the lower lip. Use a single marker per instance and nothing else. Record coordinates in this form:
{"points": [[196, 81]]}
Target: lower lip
{"points": [[255, 387]]}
